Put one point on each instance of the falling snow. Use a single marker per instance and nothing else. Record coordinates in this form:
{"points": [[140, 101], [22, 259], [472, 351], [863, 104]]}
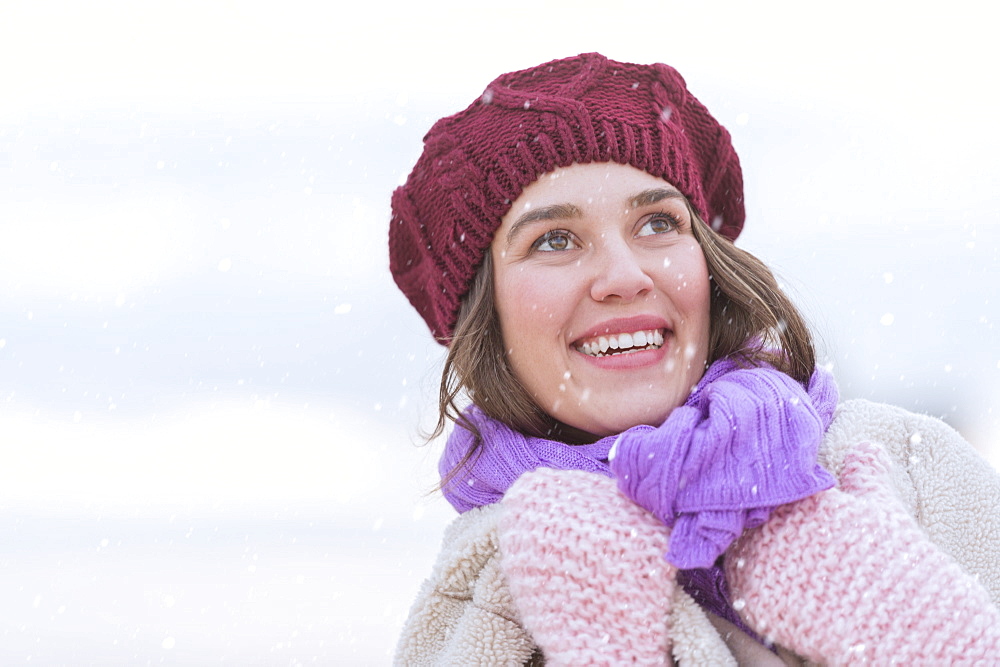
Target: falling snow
{"points": [[200, 427]]}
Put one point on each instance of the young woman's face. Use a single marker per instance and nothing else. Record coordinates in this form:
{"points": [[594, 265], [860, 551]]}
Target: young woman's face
{"points": [[603, 296]]}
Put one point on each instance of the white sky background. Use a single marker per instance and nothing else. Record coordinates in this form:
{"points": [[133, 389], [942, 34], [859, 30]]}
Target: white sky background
{"points": [[209, 386]]}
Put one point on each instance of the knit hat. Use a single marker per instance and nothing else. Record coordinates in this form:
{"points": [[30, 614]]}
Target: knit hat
{"points": [[525, 124]]}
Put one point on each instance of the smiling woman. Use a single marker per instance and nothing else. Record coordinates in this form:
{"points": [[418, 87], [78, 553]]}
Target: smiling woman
{"points": [[622, 272], [652, 468]]}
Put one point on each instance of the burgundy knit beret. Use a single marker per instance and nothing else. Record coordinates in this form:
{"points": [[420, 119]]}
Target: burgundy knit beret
{"points": [[578, 110]]}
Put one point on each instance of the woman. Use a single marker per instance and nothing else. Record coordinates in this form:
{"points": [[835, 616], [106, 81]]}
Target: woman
{"points": [[646, 471]]}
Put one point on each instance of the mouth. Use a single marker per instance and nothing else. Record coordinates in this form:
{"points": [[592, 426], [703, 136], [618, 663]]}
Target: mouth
{"points": [[622, 343]]}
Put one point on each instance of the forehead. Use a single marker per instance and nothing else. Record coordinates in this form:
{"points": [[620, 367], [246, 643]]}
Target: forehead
{"points": [[583, 184]]}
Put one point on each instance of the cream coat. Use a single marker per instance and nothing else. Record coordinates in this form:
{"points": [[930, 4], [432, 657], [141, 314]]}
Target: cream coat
{"points": [[464, 614]]}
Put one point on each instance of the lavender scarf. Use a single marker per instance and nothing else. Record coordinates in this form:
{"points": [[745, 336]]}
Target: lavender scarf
{"points": [[744, 442]]}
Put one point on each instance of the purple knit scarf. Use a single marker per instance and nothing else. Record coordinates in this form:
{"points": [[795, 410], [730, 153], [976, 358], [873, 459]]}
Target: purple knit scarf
{"points": [[744, 442]]}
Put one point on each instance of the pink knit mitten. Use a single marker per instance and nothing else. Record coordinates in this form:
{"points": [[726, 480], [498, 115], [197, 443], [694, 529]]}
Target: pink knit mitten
{"points": [[847, 577], [586, 571]]}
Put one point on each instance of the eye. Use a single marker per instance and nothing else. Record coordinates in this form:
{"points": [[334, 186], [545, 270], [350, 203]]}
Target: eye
{"points": [[658, 223], [553, 241]]}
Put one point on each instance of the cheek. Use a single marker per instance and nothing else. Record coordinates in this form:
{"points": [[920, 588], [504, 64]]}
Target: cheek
{"points": [[700, 306], [686, 282], [512, 304], [522, 310], [524, 324], [529, 301], [700, 289]]}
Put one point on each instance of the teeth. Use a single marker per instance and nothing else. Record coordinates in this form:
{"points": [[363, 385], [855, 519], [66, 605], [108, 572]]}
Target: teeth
{"points": [[622, 343]]}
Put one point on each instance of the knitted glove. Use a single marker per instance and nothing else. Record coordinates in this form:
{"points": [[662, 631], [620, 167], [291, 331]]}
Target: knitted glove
{"points": [[847, 577], [586, 571]]}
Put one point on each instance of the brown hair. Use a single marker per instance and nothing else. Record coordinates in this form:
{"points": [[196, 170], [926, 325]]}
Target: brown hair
{"points": [[751, 319]]}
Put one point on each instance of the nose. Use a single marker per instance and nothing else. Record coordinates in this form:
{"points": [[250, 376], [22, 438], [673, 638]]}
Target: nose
{"points": [[620, 273]]}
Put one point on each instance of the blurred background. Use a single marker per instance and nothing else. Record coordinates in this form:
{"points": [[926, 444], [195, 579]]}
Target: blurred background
{"points": [[211, 393]]}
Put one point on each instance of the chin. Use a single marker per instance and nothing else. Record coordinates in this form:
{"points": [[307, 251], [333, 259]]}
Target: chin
{"points": [[622, 421]]}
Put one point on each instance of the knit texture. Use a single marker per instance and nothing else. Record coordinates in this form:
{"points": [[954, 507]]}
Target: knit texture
{"points": [[847, 577], [578, 110], [943, 483], [744, 442], [585, 569], [464, 614]]}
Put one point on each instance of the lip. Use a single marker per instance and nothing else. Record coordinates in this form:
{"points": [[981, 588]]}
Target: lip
{"points": [[623, 325], [632, 360]]}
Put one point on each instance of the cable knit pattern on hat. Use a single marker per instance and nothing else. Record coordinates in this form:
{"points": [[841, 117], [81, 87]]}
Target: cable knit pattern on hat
{"points": [[586, 571], [578, 110], [847, 577]]}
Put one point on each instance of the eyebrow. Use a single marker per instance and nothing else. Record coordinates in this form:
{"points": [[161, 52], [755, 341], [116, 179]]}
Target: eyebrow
{"points": [[563, 211], [647, 197], [554, 212]]}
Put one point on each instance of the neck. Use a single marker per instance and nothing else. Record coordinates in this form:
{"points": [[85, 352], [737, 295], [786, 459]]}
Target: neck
{"points": [[569, 434]]}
